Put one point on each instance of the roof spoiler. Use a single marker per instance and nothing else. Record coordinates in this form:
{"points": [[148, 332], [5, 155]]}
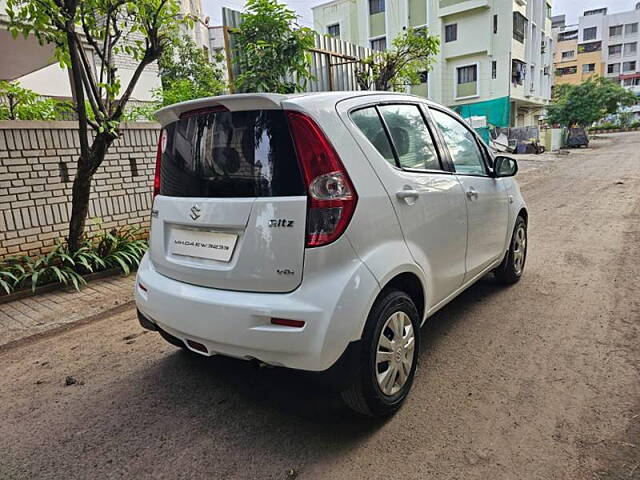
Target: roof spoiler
{"points": [[233, 103]]}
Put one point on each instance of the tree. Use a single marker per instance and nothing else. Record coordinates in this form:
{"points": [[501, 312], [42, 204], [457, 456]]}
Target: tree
{"points": [[187, 73], [25, 104], [584, 104], [271, 49], [412, 53], [139, 29]]}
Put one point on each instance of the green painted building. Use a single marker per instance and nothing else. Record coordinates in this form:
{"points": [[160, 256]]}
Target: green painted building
{"points": [[495, 58]]}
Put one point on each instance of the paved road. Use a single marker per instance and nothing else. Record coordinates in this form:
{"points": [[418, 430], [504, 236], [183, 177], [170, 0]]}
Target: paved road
{"points": [[537, 381]]}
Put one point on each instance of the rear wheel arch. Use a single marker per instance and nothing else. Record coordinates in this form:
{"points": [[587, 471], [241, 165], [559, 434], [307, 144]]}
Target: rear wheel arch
{"points": [[412, 285]]}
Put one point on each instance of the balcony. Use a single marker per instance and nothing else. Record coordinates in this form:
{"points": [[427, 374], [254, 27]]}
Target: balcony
{"points": [[451, 7]]}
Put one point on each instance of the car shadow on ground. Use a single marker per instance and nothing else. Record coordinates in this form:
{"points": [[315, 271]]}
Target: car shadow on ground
{"points": [[299, 393], [223, 397]]}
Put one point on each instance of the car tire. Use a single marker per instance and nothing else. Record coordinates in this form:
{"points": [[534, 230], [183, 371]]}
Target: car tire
{"points": [[511, 269], [380, 384]]}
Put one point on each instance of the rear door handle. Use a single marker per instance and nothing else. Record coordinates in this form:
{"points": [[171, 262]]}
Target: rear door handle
{"points": [[409, 195], [472, 194]]}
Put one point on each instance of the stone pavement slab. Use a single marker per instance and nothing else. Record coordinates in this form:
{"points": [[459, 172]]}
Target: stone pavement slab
{"points": [[26, 317]]}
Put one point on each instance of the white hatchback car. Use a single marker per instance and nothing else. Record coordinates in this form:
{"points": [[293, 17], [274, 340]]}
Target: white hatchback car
{"points": [[319, 231]]}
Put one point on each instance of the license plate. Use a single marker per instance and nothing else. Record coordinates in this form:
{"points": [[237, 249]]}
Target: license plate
{"points": [[210, 245]]}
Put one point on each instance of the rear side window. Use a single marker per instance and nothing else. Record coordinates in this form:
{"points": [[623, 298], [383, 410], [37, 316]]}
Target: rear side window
{"points": [[411, 137], [369, 123], [230, 154]]}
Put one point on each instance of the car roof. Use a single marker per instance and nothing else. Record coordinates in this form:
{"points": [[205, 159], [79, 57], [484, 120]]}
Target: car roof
{"points": [[266, 101]]}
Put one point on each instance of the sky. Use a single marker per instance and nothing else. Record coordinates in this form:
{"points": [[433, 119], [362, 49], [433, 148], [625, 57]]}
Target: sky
{"points": [[572, 8]]}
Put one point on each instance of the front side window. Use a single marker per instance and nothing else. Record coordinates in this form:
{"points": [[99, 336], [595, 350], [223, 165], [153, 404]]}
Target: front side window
{"points": [[466, 81], [411, 137], [368, 122], [615, 49], [334, 30], [451, 32], [376, 6], [568, 54], [590, 33], [588, 67], [629, 66], [463, 148], [613, 68]]}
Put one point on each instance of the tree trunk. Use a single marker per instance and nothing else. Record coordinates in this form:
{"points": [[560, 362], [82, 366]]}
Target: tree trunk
{"points": [[79, 204], [87, 167]]}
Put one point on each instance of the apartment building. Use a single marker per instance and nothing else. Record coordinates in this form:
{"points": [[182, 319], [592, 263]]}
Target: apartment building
{"points": [[601, 43], [495, 55]]}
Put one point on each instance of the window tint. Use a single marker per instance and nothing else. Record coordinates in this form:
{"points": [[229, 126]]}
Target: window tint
{"points": [[230, 154], [370, 125], [461, 143], [411, 137]]}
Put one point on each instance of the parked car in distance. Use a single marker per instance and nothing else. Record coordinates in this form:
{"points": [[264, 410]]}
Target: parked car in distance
{"points": [[320, 231]]}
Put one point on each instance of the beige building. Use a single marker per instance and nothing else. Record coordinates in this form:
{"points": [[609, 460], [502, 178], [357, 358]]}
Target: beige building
{"points": [[495, 55], [574, 62]]}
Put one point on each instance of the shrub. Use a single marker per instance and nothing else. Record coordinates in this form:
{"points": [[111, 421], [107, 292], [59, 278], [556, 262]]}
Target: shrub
{"points": [[118, 248]]}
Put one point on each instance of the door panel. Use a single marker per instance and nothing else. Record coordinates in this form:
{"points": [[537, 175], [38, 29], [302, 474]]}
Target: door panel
{"points": [[488, 213], [485, 196], [429, 204]]}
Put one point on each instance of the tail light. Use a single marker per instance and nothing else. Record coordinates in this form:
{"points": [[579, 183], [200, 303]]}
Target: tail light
{"points": [[162, 143], [332, 198]]}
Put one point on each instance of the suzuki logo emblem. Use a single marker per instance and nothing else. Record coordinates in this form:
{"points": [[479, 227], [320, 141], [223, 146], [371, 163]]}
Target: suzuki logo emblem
{"points": [[195, 212]]}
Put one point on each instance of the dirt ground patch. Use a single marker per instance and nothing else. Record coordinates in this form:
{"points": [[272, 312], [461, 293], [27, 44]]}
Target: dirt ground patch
{"points": [[537, 381]]}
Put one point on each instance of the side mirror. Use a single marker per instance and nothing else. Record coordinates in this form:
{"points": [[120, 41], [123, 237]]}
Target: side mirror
{"points": [[505, 166]]}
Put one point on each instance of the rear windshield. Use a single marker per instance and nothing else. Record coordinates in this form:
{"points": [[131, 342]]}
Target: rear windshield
{"points": [[230, 154]]}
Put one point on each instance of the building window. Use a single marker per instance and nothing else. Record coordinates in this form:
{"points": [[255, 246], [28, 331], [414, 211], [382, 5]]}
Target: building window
{"points": [[613, 68], [615, 31], [629, 66], [495, 24], [494, 69], [518, 72], [615, 49], [519, 26], [568, 54], [379, 44], [376, 6], [630, 48], [590, 33], [548, 10], [466, 81], [630, 28], [590, 47], [588, 68], [334, 30], [451, 32], [566, 71], [631, 82], [424, 76]]}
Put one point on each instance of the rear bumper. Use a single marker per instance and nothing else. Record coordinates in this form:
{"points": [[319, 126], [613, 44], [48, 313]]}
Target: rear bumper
{"points": [[238, 324]]}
